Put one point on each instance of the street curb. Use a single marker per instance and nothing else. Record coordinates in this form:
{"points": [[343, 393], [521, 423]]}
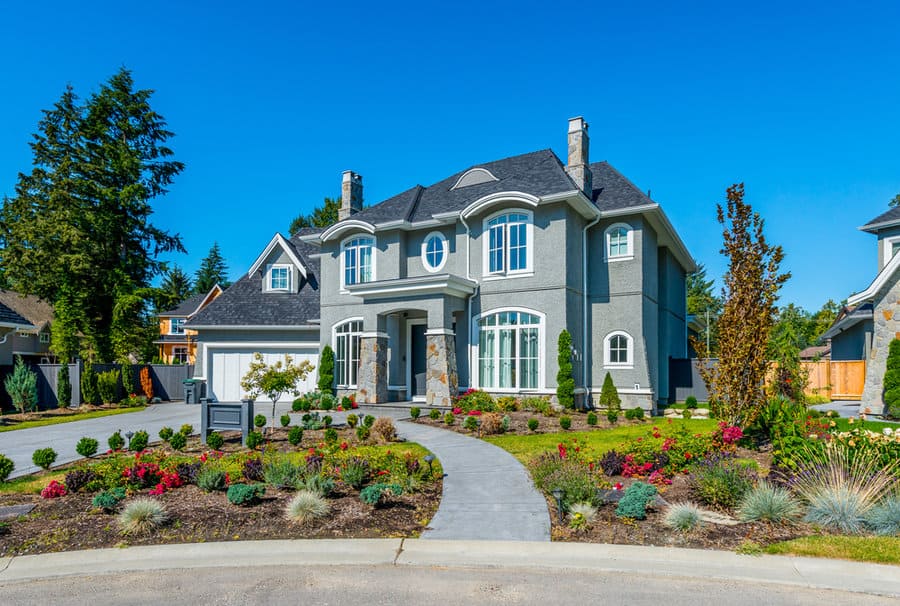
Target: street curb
{"points": [[858, 577]]}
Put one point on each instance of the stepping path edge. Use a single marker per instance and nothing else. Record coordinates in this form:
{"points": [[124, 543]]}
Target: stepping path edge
{"points": [[488, 495]]}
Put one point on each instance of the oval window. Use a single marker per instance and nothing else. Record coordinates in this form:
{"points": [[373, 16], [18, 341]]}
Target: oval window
{"points": [[434, 251]]}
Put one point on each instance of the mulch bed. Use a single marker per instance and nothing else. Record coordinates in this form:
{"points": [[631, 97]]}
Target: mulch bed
{"points": [[14, 418], [518, 422]]}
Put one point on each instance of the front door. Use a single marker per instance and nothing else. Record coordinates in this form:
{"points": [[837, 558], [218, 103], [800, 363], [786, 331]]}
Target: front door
{"points": [[416, 361]]}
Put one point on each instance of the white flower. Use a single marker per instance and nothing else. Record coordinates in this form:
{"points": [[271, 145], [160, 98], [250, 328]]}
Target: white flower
{"points": [[887, 431]]}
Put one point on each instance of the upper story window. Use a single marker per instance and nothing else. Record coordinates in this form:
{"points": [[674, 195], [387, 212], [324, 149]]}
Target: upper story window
{"points": [[434, 251], [44, 337], [507, 247], [619, 242], [891, 246], [357, 261], [280, 277], [176, 326], [618, 350]]}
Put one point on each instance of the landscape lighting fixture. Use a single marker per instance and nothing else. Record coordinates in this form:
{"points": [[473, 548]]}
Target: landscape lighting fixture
{"points": [[429, 458], [558, 494]]}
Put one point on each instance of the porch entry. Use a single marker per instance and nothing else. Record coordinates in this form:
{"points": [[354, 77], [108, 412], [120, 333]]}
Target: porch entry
{"points": [[415, 359]]}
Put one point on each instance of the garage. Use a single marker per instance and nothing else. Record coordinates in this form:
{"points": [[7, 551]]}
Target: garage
{"points": [[228, 365]]}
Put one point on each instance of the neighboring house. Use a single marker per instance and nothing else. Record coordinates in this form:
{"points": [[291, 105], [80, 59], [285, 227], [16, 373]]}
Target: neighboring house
{"points": [[816, 353], [273, 309], [177, 344], [467, 283], [31, 340], [865, 330], [10, 323]]}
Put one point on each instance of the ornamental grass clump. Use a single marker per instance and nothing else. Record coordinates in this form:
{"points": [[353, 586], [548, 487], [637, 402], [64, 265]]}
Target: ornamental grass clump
{"points": [[551, 471], [683, 517], [841, 486], [768, 503], [282, 473], [884, 519], [721, 481], [142, 516], [306, 506], [212, 479], [582, 515]]}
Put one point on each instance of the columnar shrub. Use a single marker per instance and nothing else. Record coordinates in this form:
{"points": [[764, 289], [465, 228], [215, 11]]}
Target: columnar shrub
{"points": [[89, 393], [609, 397], [44, 457], [326, 370], [127, 375], [108, 386], [116, 441], [6, 467], [891, 384], [565, 381], [87, 447], [63, 387], [215, 440], [21, 386], [146, 382]]}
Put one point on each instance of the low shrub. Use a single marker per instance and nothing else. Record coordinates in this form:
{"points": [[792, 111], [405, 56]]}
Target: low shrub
{"points": [[355, 472], [44, 457], [449, 418], [188, 472], [434, 414], [142, 516], [301, 404], [215, 440], [475, 399], [254, 440], [591, 418], [612, 463], [634, 502], [635, 414], [212, 480], [368, 421], [327, 420], [507, 404], [533, 424], [414, 412], [565, 423], [79, 478], [253, 470], [686, 414], [550, 471], [492, 424], [178, 441], [295, 435], [327, 402], [187, 430], [352, 420], [683, 517], [690, 402], [108, 500], [285, 420], [138, 441], [6, 467], [331, 435], [721, 482], [362, 433], [87, 447], [259, 421], [317, 483], [884, 518], [769, 503], [280, 472], [385, 428], [377, 493], [166, 433], [581, 515], [116, 441], [541, 405], [471, 423], [245, 494], [612, 416], [306, 506], [346, 403]]}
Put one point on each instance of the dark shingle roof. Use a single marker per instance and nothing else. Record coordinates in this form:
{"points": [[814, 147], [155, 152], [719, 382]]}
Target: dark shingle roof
{"points": [[890, 216], [8, 316], [613, 191], [186, 307], [245, 304], [34, 310]]}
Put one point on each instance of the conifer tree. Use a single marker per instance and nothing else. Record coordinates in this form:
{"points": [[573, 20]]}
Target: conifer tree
{"points": [[326, 370], [213, 270], [891, 382], [175, 288], [565, 382], [609, 395]]}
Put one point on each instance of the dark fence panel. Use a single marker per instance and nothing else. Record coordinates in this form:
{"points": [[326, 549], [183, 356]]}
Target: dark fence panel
{"points": [[5, 400], [48, 383], [167, 380], [685, 380]]}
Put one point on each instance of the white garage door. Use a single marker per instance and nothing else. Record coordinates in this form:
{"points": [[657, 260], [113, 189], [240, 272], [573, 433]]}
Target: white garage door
{"points": [[228, 367]]}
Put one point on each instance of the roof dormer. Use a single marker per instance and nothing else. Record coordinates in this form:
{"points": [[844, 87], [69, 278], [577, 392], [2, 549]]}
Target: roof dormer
{"points": [[280, 267]]}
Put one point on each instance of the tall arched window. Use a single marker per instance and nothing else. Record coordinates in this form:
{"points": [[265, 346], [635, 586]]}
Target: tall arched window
{"points": [[618, 350], [346, 352], [619, 242], [357, 261], [508, 243], [509, 350]]}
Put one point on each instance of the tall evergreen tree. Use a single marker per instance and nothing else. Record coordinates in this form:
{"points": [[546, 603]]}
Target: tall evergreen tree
{"points": [[321, 216], [703, 303], [175, 287], [213, 270]]}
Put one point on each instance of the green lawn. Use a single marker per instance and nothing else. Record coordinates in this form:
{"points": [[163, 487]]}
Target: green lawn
{"points": [[69, 418], [31, 484], [845, 425], [525, 447], [883, 550]]}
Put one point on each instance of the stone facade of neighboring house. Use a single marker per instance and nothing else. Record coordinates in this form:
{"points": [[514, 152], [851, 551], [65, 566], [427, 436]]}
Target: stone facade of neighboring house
{"points": [[177, 343], [30, 338]]}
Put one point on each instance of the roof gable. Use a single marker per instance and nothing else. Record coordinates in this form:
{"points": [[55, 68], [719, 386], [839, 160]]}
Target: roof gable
{"points": [[278, 241], [29, 308], [889, 218], [193, 304]]}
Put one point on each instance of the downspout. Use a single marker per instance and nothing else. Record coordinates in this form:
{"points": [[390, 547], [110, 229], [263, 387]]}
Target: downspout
{"points": [[588, 403], [469, 299]]}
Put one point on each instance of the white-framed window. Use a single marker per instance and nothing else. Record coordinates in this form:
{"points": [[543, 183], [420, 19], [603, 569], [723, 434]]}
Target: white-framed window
{"points": [[357, 261], [176, 326], [510, 345], [44, 337], [618, 350], [280, 277], [434, 251], [891, 246], [619, 242], [180, 354], [508, 247], [346, 352]]}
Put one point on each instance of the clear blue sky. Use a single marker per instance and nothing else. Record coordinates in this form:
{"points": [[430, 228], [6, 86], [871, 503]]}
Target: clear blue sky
{"points": [[271, 101]]}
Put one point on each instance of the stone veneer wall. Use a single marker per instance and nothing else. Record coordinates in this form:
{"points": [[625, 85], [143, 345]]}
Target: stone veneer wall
{"points": [[887, 327], [372, 383], [441, 377]]}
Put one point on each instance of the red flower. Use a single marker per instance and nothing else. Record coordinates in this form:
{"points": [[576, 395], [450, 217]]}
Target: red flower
{"points": [[344, 446], [618, 486], [687, 455]]}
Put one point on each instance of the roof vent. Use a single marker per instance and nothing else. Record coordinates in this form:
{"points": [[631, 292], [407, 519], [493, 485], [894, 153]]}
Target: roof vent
{"points": [[474, 176]]}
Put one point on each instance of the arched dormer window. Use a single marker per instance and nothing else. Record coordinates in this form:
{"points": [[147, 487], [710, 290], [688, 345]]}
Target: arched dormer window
{"points": [[618, 350], [357, 260], [509, 243], [619, 240]]}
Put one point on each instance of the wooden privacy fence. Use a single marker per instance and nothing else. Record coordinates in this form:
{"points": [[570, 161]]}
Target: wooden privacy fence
{"points": [[837, 379]]}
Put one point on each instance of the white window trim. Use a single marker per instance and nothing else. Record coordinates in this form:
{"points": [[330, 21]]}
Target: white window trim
{"points": [[474, 372], [334, 335], [181, 349], [888, 245], [344, 243], [172, 326], [44, 337], [445, 246], [607, 243], [290, 277], [486, 246], [629, 350]]}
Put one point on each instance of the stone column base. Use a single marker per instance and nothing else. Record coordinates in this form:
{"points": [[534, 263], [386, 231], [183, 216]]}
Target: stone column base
{"points": [[441, 378], [372, 382]]}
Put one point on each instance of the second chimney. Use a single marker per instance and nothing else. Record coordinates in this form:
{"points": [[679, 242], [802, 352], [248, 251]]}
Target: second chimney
{"points": [[578, 163], [351, 195]]}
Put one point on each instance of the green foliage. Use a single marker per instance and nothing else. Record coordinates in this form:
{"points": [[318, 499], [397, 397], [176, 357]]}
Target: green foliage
{"points": [[346, 403], [327, 421], [355, 472], [6, 467], [721, 483], [321, 216], [280, 472], [305, 506], [178, 441], [785, 342], [690, 402], [683, 517], [126, 373], [187, 430], [285, 420], [295, 435], [434, 414], [108, 386], [331, 435], [551, 472], [211, 480], [612, 416], [87, 447], [139, 441], [259, 421], [63, 387], [414, 412], [142, 516], [609, 396], [213, 270], [301, 404], [44, 457], [768, 503], [686, 413], [176, 287], [325, 382], [634, 502], [449, 418], [215, 440], [274, 380], [362, 433], [378, 493], [565, 381], [470, 423], [533, 424], [368, 421], [591, 419], [701, 297], [89, 392], [541, 405], [352, 420], [318, 483], [245, 494], [883, 519], [21, 386], [635, 414], [108, 499], [475, 399], [254, 440], [116, 441], [565, 423], [891, 383]]}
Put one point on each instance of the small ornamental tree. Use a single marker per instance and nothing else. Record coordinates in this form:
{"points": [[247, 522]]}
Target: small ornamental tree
{"points": [[127, 377], [609, 395], [274, 380], [63, 387], [565, 382], [326, 370], [21, 386], [891, 381], [751, 285], [89, 393]]}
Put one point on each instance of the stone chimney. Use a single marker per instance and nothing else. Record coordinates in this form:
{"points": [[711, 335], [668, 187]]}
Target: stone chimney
{"points": [[578, 164], [351, 195]]}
